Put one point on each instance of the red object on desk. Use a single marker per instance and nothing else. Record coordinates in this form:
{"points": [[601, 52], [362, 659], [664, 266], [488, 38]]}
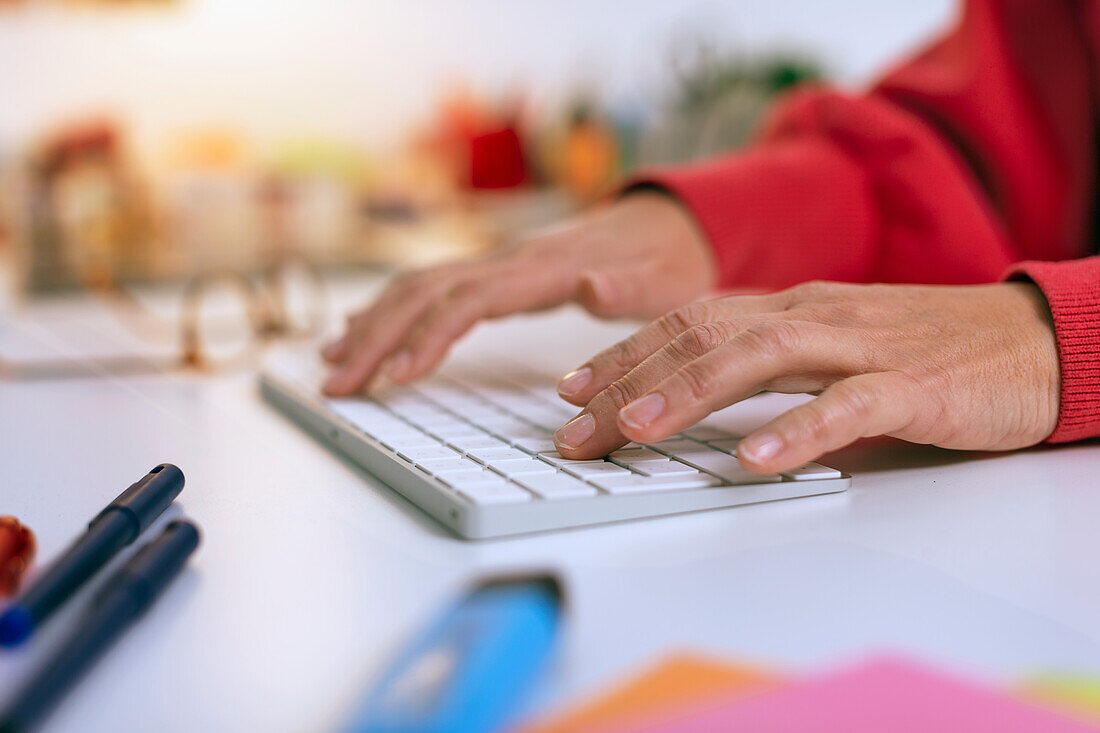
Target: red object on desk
{"points": [[17, 547]]}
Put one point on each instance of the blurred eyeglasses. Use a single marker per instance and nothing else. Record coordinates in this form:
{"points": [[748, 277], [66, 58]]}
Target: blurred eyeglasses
{"points": [[226, 316], [223, 319]]}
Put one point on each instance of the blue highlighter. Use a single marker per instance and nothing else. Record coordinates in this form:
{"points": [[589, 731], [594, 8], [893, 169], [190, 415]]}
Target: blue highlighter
{"points": [[469, 670]]}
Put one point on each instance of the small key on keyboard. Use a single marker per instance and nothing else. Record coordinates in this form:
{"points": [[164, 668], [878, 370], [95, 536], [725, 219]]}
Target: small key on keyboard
{"points": [[440, 466], [555, 486], [724, 466], [587, 471], [705, 433], [409, 440], [634, 483], [726, 446], [502, 493], [481, 441], [520, 466], [635, 456], [665, 468], [673, 446], [427, 453], [812, 471], [472, 477], [484, 455], [556, 459], [535, 446]]}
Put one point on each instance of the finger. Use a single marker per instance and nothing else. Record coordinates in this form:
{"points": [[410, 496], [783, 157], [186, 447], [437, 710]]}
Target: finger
{"points": [[597, 421], [496, 294], [857, 407], [334, 351], [770, 351], [623, 291], [373, 334], [743, 366], [439, 328], [582, 384]]}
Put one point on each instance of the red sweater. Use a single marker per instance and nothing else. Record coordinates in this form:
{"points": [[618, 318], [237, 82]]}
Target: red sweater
{"points": [[974, 159]]}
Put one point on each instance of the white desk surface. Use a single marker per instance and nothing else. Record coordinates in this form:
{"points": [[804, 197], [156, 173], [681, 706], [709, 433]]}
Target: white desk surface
{"points": [[311, 573]]}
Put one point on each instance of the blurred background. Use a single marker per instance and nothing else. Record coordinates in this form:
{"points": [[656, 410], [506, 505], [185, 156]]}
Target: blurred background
{"points": [[149, 140]]}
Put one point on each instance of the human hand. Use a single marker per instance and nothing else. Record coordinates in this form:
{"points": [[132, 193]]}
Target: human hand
{"points": [[638, 257], [959, 367]]}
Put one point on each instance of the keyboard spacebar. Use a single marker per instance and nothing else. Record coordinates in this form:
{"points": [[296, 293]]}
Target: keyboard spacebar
{"points": [[725, 467]]}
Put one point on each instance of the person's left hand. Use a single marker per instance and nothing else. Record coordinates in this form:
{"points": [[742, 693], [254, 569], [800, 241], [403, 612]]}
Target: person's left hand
{"points": [[971, 367]]}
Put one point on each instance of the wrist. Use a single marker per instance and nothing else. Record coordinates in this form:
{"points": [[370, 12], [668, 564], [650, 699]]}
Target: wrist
{"points": [[662, 219]]}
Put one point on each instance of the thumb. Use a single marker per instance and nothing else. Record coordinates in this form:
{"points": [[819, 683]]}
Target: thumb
{"points": [[622, 291]]}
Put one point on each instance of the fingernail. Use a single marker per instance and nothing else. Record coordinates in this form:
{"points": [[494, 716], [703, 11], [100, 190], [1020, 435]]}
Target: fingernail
{"points": [[759, 447], [641, 413], [398, 364], [575, 381], [576, 431]]}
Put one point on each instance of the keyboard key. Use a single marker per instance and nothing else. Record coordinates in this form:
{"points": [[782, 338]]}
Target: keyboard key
{"points": [[441, 466], [535, 446], [475, 442], [588, 471], [547, 418], [725, 467], [359, 411], [555, 486], [443, 421], [665, 468], [518, 431], [634, 484], [457, 429], [555, 459], [484, 455], [404, 441], [520, 466], [634, 456], [472, 477], [726, 446], [427, 453], [673, 446], [502, 493], [705, 433], [812, 471]]}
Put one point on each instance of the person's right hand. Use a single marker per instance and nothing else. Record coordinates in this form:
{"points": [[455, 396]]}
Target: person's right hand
{"points": [[638, 257]]}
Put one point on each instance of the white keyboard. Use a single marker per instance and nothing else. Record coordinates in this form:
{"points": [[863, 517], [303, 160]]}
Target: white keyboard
{"points": [[476, 452]]}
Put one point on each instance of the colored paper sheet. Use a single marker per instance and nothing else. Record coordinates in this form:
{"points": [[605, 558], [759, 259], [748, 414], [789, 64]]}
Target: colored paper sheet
{"points": [[885, 694], [680, 682], [1076, 693]]}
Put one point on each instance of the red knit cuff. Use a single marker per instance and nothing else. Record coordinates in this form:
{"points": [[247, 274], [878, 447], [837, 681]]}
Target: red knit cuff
{"points": [[1073, 291], [779, 213]]}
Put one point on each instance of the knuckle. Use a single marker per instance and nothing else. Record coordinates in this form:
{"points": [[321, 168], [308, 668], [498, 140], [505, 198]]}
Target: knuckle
{"points": [[773, 338], [681, 319], [809, 290], [856, 402], [701, 339], [698, 381], [621, 358], [812, 425], [618, 394]]}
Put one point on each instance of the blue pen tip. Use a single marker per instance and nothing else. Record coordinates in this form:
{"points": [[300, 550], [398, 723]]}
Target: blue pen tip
{"points": [[16, 624]]}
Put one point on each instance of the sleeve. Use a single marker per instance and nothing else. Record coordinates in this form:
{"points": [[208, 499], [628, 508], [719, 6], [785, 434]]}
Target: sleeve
{"points": [[1072, 290], [964, 159]]}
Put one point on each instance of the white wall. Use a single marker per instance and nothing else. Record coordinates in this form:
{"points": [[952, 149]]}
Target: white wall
{"points": [[365, 68]]}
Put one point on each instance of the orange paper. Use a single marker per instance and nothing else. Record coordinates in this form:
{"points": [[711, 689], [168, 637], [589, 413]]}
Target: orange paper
{"points": [[681, 681]]}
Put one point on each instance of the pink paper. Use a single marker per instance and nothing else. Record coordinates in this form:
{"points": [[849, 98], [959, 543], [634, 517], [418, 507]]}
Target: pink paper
{"points": [[884, 695]]}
